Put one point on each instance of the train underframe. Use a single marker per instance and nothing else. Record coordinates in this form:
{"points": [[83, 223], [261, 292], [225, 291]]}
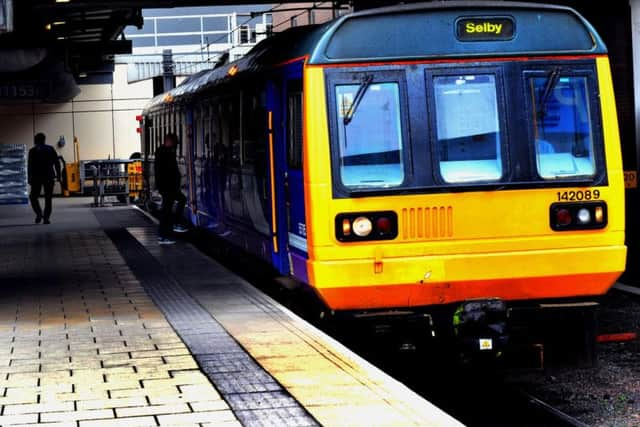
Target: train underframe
{"points": [[505, 334]]}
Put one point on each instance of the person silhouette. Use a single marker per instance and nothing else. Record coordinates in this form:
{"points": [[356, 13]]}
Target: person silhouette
{"points": [[43, 169], [168, 180]]}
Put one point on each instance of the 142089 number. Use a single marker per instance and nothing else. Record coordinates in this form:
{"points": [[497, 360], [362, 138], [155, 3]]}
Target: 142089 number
{"points": [[572, 196]]}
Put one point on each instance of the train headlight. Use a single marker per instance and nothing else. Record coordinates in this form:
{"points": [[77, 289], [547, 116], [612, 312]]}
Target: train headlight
{"points": [[362, 226], [366, 226], [584, 216]]}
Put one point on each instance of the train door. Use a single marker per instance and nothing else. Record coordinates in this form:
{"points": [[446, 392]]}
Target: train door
{"points": [[198, 160], [294, 181], [188, 151], [290, 247], [206, 196]]}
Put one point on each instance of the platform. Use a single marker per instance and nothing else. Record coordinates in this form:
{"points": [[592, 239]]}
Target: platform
{"points": [[101, 326]]}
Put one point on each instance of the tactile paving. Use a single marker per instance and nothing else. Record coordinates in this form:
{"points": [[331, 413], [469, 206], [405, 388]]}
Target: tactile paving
{"points": [[255, 396], [280, 417]]}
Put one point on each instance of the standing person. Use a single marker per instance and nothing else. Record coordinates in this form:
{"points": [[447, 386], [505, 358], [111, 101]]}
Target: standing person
{"points": [[43, 169], [168, 184]]}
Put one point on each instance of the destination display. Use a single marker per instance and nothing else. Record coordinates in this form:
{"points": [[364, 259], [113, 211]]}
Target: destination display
{"points": [[485, 29]]}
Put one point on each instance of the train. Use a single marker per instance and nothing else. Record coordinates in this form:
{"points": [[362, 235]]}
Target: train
{"points": [[454, 161]]}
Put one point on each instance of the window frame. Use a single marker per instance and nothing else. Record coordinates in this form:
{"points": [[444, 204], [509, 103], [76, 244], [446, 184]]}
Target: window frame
{"points": [[352, 76], [589, 72], [295, 159], [432, 122]]}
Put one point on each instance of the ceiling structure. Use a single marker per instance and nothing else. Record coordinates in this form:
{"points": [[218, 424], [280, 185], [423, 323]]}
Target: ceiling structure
{"points": [[78, 38]]}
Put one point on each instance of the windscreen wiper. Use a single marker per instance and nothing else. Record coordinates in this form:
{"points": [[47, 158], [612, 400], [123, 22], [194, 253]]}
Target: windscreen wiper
{"points": [[364, 85], [550, 84]]}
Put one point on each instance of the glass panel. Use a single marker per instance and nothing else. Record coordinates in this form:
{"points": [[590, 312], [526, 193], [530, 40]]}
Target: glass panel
{"points": [[143, 41], [216, 23], [562, 127], [468, 128], [179, 25], [371, 142], [178, 40]]}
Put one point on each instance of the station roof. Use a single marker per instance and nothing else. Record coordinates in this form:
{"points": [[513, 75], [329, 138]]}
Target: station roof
{"points": [[86, 32]]}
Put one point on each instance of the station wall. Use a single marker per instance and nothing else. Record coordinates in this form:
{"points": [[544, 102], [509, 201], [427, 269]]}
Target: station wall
{"points": [[102, 116]]}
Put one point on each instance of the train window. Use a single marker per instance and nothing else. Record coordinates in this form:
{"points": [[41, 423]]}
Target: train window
{"points": [[563, 137], [294, 125], [468, 128], [254, 126], [180, 135], [230, 130], [370, 134], [198, 134]]}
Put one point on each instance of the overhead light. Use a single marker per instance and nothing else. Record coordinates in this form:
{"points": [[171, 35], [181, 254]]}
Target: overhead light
{"points": [[47, 27], [63, 1], [59, 22], [62, 38], [82, 75]]}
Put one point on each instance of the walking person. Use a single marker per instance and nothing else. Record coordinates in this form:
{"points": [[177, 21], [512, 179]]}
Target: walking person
{"points": [[43, 169], [168, 184]]}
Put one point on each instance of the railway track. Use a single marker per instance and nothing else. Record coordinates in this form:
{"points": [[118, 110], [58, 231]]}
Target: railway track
{"points": [[555, 416]]}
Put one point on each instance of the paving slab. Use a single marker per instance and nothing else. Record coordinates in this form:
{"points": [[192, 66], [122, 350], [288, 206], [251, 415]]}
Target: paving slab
{"points": [[82, 343]]}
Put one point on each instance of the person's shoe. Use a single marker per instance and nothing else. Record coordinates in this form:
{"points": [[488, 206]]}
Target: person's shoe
{"points": [[180, 229], [46, 221], [38, 219], [166, 241]]}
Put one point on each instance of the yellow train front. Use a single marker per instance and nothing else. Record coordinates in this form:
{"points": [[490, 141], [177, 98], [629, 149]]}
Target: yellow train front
{"points": [[456, 153], [447, 157]]}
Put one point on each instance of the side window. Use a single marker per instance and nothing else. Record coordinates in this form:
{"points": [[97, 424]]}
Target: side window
{"points": [[152, 135], [294, 124], [198, 133], [180, 133], [221, 145], [468, 128], [163, 128], [562, 126], [234, 113], [206, 127], [370, 134], [254, 126]]}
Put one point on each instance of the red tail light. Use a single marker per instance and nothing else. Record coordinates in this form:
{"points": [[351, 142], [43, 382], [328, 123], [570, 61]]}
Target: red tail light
{"points": [[383, 225], [563, 217]]}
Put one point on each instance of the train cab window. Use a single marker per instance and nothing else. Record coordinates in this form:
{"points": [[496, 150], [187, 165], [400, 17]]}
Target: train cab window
{"points": [[370, 134], [468, 128], [562, 132]]}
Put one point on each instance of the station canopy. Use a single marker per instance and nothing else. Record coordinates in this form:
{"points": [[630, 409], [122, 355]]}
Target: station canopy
{"points": [[60, 40]]}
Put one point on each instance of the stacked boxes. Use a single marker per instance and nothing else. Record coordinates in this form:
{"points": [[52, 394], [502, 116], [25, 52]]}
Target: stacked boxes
{"points": [[13, 174]]}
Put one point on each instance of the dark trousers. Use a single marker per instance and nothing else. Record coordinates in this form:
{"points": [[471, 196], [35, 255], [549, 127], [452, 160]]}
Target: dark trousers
{"points": [[167, 216], [36, 189]]}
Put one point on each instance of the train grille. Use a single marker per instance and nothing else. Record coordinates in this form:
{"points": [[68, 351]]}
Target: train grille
{"points": [[426, 223]]}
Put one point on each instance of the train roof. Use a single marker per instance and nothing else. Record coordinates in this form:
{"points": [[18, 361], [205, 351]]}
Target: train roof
{"points": [[451, 29]]}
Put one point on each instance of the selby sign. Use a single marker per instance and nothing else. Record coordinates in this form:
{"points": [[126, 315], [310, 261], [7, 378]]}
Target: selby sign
{"points": [[485, 29]]}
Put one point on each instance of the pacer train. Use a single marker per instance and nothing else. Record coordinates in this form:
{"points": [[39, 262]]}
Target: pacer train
{"points": [[439, 157]]}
